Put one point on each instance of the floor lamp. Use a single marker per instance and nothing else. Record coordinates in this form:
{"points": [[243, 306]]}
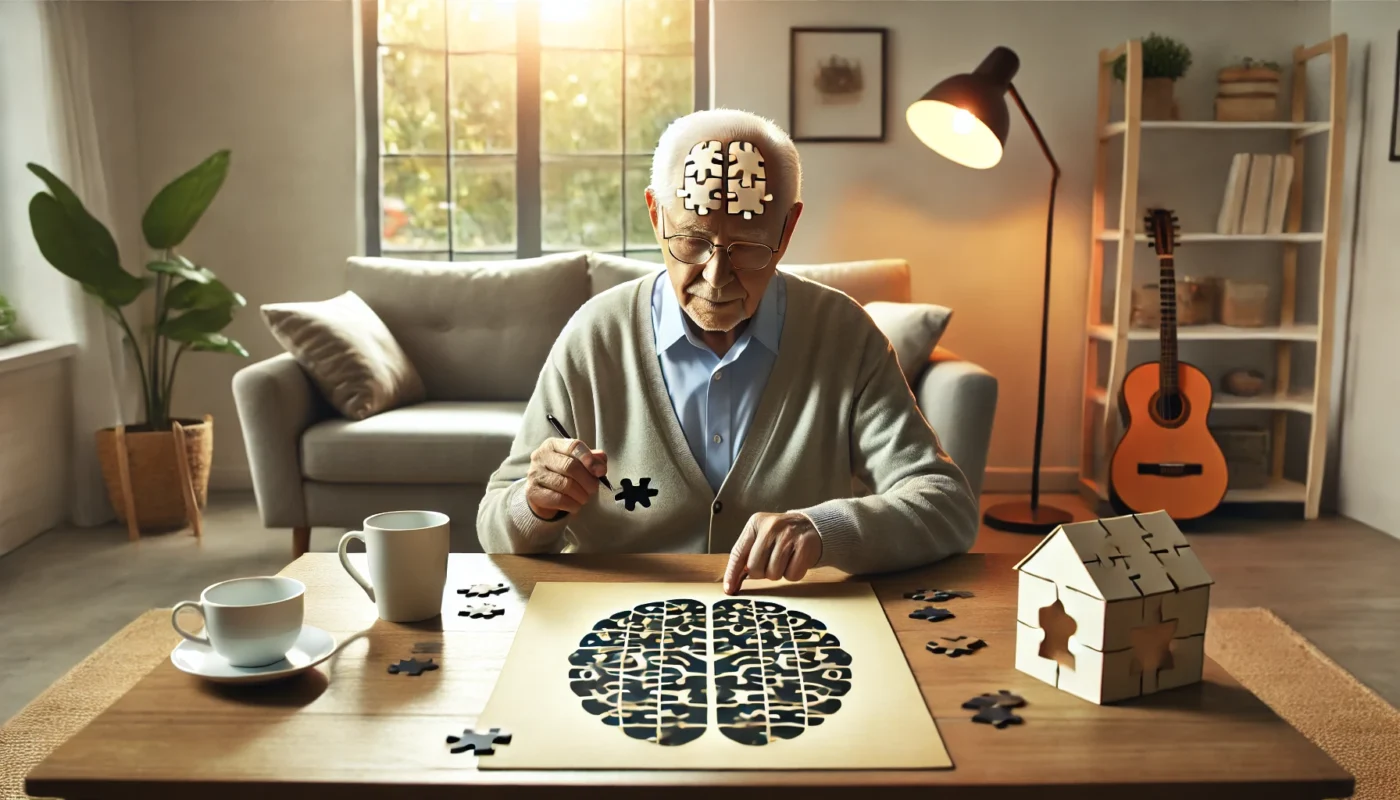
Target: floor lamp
{"points": [[964, 118]]}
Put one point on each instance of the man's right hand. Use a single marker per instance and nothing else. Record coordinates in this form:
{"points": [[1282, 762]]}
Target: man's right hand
{"points": [[563, 475]]}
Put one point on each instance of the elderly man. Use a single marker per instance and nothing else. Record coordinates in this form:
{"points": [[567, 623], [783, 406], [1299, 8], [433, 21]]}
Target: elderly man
{"points": [[734, 403]]}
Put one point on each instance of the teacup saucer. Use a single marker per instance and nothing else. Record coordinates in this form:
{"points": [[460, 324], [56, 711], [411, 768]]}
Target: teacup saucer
{"points": [[312, 647]]}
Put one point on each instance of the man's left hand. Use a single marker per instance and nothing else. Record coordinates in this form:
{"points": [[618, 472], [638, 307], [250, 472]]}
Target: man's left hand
{"points": [[773, 546]]}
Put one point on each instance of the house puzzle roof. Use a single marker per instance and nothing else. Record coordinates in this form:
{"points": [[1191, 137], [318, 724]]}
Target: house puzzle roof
{"points": [[1117, 558]]}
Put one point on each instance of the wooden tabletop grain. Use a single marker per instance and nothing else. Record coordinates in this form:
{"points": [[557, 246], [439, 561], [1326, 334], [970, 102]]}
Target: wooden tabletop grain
{"points": [[349, 729]]}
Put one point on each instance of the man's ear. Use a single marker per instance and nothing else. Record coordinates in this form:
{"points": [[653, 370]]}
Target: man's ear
{"points": [[651, 206], [789, 228]]}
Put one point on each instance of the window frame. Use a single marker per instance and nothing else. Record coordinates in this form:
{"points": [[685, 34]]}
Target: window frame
{"points": [[528, 157]]}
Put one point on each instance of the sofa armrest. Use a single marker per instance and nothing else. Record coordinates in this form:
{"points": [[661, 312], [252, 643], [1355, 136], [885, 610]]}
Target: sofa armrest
{"points": [[959, 400], [276, 403]]}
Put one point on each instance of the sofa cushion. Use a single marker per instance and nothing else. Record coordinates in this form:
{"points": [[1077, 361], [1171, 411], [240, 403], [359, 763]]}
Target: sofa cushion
{"points": [[913, 330], [475, 330], [606, 271], [433, 442], [883, 279], [348, 352]]}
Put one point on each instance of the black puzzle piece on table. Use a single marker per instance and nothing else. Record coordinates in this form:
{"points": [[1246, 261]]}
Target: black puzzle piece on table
{"points": [[412, 667], [956, 650], [481, 743], [484, 590], [998, 716], [634, 496], [932, 614], [483, 611], [1002, 699], [936, 595]]}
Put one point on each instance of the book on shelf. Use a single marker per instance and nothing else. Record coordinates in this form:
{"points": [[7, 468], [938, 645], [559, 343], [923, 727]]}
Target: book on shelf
{"points": [[1255, 215], [1228, 221], [1281, 185]]}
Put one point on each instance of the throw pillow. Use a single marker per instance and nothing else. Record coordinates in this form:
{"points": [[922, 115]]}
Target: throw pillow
{"points": [[349, 353], [913, 330]]}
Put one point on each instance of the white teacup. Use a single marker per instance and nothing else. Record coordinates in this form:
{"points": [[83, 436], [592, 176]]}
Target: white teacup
{"points": [[407, 554], [250, 622]]}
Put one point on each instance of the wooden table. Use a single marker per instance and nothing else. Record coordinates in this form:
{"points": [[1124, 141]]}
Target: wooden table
{"points": [[350, 730]]}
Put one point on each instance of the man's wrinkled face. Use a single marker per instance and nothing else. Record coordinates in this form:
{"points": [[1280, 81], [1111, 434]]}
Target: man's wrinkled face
{"points": [[724, 201]]}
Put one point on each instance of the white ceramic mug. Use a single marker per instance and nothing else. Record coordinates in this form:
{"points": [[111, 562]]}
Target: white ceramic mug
{"points": [[250, 622], [407, 553]]}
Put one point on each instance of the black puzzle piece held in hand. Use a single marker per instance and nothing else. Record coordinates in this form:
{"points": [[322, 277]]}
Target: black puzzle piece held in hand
{"points": [[481, 743], [412, 667], [633, 496]]}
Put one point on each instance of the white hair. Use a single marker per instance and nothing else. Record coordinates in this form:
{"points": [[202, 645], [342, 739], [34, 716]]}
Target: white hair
{"points": [[781, 161]]}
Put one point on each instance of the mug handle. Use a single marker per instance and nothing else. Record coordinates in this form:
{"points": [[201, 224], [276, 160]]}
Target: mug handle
{"points": [[175, 623], [345, 562]]}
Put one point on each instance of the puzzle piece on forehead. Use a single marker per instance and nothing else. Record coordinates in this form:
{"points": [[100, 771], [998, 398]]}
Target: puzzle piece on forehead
{"points": [[998, 716], [747, 201], [932, 614], [412, 667], [481, 743], [1002, 698], [483, 611], [484, 590], [633, 496], [956, 651], [702, 184], [745, 165]]}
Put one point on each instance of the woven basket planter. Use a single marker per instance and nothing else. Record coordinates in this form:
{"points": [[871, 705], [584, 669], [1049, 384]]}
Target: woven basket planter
{"points": [[162, 475]]}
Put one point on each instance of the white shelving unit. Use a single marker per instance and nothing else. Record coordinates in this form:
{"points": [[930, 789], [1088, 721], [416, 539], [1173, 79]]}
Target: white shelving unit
{"points": [[1108, 339]]}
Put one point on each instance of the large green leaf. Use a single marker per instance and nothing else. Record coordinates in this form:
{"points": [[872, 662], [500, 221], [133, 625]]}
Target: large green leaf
{"points": [[94, 233], [173, 212], [189, 272], [214, 294], [217, 343], [66, 244], [191, 325]]}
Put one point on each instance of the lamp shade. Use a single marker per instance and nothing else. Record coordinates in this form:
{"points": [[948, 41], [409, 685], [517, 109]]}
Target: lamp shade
{"points": [[964, 118]]}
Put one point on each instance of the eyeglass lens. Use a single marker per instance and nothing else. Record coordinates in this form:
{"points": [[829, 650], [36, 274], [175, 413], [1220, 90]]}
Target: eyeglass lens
{"points": [[742, 255]]}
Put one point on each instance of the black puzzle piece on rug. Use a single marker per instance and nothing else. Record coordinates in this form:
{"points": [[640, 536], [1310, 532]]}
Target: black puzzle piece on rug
{"points": [[634, 496], [484, 590], [412, 667], [484, 611], [932, 614], [481, 743]]}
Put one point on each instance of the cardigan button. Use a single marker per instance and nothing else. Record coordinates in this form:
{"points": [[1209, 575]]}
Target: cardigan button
{"points": [[718, 506]]}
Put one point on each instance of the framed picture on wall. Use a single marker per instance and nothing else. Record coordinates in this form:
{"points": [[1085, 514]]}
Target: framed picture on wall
{"points": [[1395, 103], [836, 84]]}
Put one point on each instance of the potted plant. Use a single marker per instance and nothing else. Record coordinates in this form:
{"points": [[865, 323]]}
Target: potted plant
{"points": [[157, 472], [1164, 60], [9, 323]]}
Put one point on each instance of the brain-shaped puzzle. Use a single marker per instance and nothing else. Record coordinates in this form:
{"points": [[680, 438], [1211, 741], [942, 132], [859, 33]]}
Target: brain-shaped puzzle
{"points": [[735, 181], [776, 671]]}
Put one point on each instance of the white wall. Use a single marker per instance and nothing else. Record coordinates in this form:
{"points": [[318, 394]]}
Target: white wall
{"points": [[1370, 431], [976, 239], [275, 83]]}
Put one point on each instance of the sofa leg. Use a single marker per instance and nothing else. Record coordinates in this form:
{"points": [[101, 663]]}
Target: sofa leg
{"points": [[301, 541]]}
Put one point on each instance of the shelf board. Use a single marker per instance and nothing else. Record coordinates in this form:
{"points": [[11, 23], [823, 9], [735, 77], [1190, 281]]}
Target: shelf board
{"points": [[1279, 490], [1298, 401], [1215, 333], [1295, 238], [1305, 128]]}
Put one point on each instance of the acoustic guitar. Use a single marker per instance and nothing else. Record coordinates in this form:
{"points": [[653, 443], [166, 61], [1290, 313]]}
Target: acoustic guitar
{"points": [[1167, 459]]}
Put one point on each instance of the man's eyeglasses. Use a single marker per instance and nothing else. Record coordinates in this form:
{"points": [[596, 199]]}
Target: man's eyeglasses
{"points": [[743, 256]]}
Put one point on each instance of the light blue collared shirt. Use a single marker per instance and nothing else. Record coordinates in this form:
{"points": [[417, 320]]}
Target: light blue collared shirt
{"points": [[715, 398]]}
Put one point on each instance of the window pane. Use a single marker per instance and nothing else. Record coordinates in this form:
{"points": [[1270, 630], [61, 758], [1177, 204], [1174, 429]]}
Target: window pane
{"points": [[485, 208], [659, 26], [659, 89], [417, 255], [639, 230], [483, 104], [481, 25], [581, 102], [413, 95], [591, 24], [414, 203], [582, 199], [411, 22]]}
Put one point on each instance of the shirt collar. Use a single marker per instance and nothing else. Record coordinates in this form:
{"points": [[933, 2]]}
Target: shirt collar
{"points": [[669, 320]]}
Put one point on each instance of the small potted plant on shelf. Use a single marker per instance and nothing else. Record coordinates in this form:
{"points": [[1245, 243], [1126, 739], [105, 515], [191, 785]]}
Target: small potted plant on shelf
{"points": [[9, 323], [1164, 61], [1248, 91], [157, 472]]}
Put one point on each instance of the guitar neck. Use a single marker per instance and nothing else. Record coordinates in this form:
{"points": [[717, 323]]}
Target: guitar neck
{"points": [[1167, 283]]}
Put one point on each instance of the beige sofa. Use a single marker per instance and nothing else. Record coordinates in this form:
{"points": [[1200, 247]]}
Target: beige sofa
{"points": [[479, 333]]}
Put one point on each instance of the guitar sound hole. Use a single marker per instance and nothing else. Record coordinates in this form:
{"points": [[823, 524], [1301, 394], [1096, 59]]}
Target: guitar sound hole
{"points": [[1170, 409]]}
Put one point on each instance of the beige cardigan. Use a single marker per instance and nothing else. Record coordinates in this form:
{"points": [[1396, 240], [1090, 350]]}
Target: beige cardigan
{"points": [[836, 407]]}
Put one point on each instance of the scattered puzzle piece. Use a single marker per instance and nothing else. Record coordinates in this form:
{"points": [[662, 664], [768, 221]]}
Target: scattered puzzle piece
{"points": [[998, 716], [633, 496], [481, 743], [936, 595], [1002, 698], [484, 590], [932, 614], [483, 611], [412, 667], [956, 651]]}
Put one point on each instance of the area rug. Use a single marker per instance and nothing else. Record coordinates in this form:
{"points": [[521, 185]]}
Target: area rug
{"points": [[1355, 726]]}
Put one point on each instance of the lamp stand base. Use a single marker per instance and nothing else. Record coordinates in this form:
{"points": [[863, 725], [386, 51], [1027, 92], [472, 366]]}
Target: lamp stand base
{"points": [[1020, 517]]}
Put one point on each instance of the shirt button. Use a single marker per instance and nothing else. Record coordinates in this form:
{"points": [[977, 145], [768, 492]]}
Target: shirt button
{"points": [[718, 375], [718, 506], [717, 439]]}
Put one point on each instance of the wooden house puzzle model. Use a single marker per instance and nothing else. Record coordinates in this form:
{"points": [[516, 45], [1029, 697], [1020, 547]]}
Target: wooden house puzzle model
{"points": [[1113, 608]]}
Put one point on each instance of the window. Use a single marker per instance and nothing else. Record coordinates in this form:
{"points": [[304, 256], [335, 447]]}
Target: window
{"points": [[507, 128]]}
